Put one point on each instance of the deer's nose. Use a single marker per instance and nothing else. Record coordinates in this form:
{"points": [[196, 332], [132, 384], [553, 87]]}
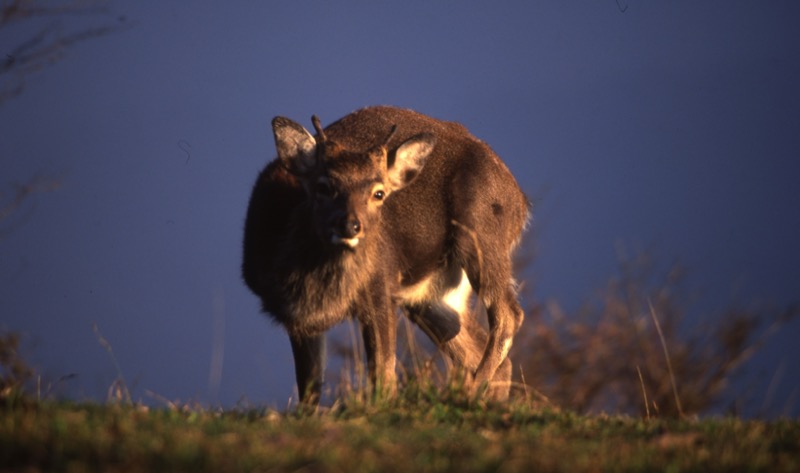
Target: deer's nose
{"points": [[350, 228]]}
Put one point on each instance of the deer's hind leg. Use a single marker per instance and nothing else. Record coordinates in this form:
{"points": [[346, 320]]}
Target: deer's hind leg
{"points": [[451, 324], [487, 263], [497, 291]]}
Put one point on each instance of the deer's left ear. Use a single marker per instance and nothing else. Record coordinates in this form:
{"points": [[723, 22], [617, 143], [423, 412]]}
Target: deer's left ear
{"points": [[409, 158]]}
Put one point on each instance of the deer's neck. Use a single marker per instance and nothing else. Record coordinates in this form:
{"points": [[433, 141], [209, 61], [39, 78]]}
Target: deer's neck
{"points": [[323, 282]]}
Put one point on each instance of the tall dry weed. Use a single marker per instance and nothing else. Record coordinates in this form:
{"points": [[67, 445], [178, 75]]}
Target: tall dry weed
{"points": [[631, 349]]}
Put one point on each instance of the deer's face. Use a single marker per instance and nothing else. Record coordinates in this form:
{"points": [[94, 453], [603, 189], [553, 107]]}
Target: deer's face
{"points": [[347, 195], [346, 188]]}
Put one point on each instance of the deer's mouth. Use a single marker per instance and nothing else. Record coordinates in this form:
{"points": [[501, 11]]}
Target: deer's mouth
{"points": [[350, 242]]}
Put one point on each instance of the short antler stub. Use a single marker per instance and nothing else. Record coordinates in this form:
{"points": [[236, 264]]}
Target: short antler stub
{"points": [[318, 127], [392, 131]]}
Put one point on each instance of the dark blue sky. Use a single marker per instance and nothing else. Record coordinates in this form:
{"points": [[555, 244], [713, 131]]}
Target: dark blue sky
{"points": [[672, 126]]}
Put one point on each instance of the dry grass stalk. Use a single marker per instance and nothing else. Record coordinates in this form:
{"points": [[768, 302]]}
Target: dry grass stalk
{"points": [[666, 357], [644, 393]]}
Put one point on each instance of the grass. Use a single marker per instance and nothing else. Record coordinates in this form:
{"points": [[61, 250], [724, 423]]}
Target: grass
{"points": [[429, 426], [420, 430], [435, 426]]}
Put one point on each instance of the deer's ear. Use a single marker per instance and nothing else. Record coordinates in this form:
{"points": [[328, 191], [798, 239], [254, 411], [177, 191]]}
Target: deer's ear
{"points": [[409, 159], [297, 149]]}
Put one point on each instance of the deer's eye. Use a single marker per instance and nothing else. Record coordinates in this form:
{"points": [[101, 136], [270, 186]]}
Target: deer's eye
{"points": [[379, 195]]}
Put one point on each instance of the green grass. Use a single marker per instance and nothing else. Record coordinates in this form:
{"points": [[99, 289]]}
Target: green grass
{"points": [[418, 431]]}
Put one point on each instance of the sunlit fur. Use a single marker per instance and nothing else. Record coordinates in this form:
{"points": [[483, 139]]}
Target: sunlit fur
{"points": [[386, 209]]}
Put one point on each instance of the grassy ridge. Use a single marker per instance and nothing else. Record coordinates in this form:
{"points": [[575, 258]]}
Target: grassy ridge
{"points": [[400, 436]]}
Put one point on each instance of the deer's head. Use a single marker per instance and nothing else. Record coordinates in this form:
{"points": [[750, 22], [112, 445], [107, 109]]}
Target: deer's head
{"points": [[346, 188]]}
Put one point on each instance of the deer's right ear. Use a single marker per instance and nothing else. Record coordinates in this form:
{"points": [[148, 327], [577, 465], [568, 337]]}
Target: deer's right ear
{"points": [[297, 149], [409, 159]]}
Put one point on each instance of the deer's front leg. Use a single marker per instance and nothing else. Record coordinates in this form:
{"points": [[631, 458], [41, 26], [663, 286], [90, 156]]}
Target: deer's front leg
{"points": [[380, 344], [379, 329], [309, 366]]}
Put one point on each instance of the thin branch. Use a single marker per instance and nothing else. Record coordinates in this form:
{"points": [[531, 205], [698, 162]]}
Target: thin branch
{"points": [[16, 10], [22, 192], [47, 45]]}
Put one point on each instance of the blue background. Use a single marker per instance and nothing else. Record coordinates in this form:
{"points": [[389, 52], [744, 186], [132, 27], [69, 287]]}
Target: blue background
{"points": [[670, 126]]}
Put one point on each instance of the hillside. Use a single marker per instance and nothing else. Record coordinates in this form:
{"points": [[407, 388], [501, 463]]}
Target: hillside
{"points": [[426, 435]]}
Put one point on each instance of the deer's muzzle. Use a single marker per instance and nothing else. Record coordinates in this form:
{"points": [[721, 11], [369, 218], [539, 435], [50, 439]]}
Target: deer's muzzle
{"points": [[347, 232]]}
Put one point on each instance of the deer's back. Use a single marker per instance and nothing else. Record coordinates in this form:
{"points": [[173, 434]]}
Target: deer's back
{"points": [[463, 185]]}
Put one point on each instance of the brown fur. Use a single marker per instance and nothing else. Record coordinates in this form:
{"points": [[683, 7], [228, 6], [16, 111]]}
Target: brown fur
{"points": [[361, 220]]}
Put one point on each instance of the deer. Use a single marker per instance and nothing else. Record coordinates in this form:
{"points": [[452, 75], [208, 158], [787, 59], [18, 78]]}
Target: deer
{"points": [[387, 211]]}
